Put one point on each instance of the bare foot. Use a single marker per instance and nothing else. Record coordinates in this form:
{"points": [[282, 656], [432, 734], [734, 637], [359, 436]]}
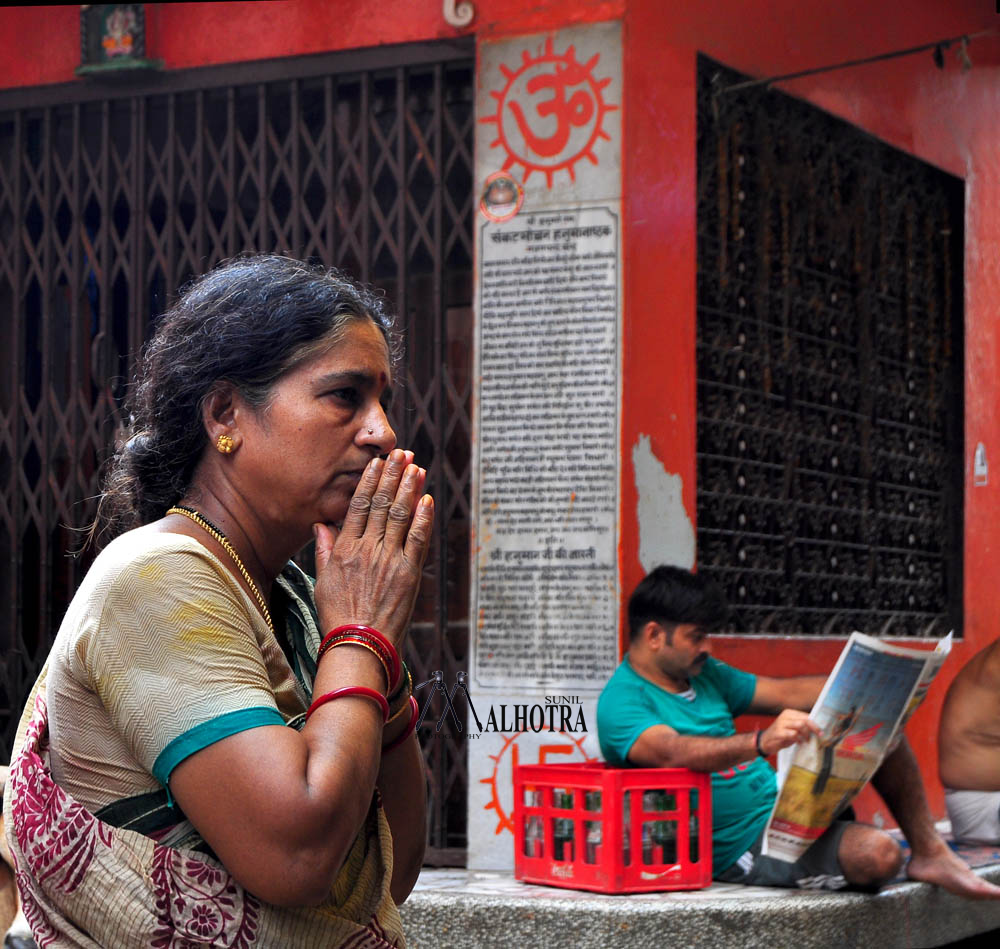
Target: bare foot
{"points": [[949, 871]]}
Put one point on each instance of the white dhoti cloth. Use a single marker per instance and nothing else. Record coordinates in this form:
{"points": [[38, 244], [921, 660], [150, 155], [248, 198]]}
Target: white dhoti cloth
{"points": [[975, 815]]}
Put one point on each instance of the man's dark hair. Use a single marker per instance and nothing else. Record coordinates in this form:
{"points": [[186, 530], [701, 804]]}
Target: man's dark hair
{"points": [[672, 596]]}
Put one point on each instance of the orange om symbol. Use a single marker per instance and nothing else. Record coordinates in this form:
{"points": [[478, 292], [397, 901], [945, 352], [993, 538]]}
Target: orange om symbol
{"points": [[550, 113], [577, 111]]}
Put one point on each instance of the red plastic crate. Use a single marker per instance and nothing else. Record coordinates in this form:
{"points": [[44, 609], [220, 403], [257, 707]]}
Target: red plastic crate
{"points": [[612, 830]]}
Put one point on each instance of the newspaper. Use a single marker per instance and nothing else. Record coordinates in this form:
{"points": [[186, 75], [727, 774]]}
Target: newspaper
{"points": [[866, 702]]}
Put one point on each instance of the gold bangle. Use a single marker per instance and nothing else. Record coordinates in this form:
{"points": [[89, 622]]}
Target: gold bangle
{"points": [[403, 693], [405, 684], [402, 708]]}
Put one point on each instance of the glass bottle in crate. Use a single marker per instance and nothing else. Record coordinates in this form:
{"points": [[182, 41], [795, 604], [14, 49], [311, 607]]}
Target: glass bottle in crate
{"points": [[693, 825], [647, 844], [563, 828], [626, 829], [534, 829], [592, 802], [665, 840], [659, 839], [534, 837]]}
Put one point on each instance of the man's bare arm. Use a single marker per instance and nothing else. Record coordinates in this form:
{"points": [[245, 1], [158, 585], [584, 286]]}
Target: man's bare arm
{"points": [[772, 694], [661, 747]]}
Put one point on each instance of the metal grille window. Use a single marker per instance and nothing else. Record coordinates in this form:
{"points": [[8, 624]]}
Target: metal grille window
{"points": [[830, 344], [110, 202]]}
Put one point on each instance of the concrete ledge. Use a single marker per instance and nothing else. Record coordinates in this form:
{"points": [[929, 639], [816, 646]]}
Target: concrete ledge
{"points": [[449, 909]]}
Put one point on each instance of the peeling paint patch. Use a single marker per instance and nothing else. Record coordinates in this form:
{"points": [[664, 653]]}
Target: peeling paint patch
{"points": [[666, 534]]}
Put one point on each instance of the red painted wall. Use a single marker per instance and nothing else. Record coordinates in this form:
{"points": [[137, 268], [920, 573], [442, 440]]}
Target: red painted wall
{"points": [[946, 117], [47, 46]]}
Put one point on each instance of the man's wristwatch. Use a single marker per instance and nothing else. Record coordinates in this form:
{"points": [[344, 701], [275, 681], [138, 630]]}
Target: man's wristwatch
{"points": [[756, 741]]}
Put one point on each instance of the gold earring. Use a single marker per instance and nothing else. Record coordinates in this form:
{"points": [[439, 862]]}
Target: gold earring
{"points": [[225, 444]]}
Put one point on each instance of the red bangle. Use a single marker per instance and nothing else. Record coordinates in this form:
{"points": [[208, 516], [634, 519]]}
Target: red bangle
{"points": [[365, 643], [388, 661], [414, 715], [330, 641], [395, 665], [361, 690]]}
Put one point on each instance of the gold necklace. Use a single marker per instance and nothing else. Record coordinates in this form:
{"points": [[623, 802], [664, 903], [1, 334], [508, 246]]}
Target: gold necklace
{"points": [[205, 524]]}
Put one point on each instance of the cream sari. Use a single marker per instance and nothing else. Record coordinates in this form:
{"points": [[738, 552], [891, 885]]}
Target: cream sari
{"points": [[134, 873]]}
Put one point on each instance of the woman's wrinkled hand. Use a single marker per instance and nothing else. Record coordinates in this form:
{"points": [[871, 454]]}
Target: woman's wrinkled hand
{"points": [[369, 571]]}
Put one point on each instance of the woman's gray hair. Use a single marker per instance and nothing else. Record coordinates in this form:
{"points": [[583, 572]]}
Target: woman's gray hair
{"points": [[247, 322]]}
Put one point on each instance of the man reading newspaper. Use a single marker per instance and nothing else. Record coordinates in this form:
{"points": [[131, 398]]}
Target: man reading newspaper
{"points": [[671, 704]]}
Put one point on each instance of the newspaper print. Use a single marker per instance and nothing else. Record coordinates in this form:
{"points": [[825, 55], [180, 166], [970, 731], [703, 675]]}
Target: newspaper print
{"points": [[865, 703]]}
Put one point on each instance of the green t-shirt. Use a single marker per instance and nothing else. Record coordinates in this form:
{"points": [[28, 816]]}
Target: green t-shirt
{"points": [[743, 796]]}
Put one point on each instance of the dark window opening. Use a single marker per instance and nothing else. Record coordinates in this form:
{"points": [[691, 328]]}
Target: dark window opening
{"points": [[830, 371]]}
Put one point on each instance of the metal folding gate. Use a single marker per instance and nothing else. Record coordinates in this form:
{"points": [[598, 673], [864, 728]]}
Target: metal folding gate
{"points": [[112, 197]]}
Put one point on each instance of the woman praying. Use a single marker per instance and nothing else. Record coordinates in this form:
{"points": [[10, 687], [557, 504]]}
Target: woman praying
{"points": [[219, 750]]}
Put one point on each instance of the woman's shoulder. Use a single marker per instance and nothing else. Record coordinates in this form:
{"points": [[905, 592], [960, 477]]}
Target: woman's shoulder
{"points": [[146, 569], [145, 577], [152, 554]]}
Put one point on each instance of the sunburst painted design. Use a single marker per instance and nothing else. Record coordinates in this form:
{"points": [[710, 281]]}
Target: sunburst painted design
{"points": [[525, 92], [505, 821]]}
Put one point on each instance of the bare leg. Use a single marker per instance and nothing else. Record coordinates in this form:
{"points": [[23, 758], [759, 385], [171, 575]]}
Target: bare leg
{"points": [[932, 860]]}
